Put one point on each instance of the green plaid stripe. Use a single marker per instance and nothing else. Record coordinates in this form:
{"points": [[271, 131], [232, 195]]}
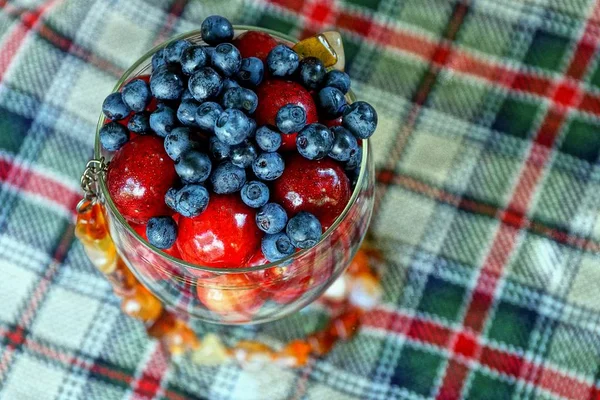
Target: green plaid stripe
{"points": [[441, 195]]}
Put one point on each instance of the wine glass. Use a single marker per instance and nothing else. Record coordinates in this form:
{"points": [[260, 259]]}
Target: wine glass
{"points": [[241, 295]]}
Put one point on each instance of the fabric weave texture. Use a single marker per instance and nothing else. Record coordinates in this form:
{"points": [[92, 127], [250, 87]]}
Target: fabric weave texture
{"points": [[487, 203]]}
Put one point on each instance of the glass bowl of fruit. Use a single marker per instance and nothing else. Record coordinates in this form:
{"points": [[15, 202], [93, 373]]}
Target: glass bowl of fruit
{"points": [[237, 178]]}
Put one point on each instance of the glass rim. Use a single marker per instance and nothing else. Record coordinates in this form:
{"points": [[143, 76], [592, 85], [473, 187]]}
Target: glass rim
{"points": [[107, 200]]}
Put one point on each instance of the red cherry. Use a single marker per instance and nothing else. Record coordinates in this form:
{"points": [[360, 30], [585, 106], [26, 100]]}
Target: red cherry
{"points": [[141, 230], [255, 44], [153, 105], [281, 284], [235, 296], [224, 235], [332, 122], [261, 278], [257, 259], [284, 284], [138, 177], [319, 187], [292, 290], [274, 94]]}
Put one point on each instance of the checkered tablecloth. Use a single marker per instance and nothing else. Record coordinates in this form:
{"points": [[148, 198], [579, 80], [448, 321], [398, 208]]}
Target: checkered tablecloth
{"points": [[487, 202]]}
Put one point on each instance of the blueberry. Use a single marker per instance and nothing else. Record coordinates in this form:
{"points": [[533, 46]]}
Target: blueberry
{"points": [[243, 154], [282, 61], [193, 167], [276, 247], [232, 127], [192, 59], [207, 114], [304, 230], [331, 102], [163, 120], [114, 108], [226, 59], [179, 141], [139, 123], [241, 99], [268, 166], [268, 139], [271, 218], [355, 160], [290, 118], [186, 113], [171, 198], [158, 59], [339, 80], [227, 178], [218, 150], [166, 84], [344, 144], [311, 72], [205, 83], [192, 200], [216, 29], [229, 83], [251, 72], [314, 141], [136, 94], [161, 232], [360, 119], [113, 136], [174, 50], [255, 194]]}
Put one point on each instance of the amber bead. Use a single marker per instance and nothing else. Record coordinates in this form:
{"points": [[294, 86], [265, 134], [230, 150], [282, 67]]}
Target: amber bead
{"points": [[360, 263], [165, 323], [91, 222], [346, 325], [122, 279], [297, 349], [142, 305], [92, 231]]}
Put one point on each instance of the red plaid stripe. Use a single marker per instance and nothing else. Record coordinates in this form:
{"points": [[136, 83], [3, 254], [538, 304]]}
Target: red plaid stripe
{"points": [[28, 20], [68, 46], [149, 382], [12, 45], [34, 20], [36, 183]]}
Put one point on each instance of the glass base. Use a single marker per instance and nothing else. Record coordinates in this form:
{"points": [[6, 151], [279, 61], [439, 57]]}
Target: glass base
{"points": [[355, 292]]}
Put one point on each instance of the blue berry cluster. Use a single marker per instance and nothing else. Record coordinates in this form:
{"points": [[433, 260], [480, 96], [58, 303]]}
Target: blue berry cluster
{"points": [[206, 102]]}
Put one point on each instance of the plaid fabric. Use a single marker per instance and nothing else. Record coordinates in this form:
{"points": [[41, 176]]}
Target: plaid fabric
{"points": [[487, 205]]}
